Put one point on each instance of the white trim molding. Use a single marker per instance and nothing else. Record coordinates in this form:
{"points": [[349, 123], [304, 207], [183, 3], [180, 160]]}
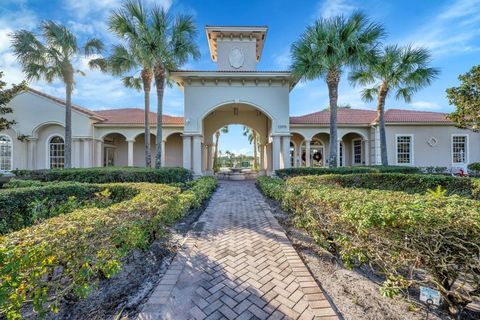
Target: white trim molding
{"points": [[412, 149]]}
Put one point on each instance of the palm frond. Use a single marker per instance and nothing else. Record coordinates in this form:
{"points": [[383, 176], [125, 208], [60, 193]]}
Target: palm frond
{"points": [[122, 60], [368, 94], [405, 93], [132, 82], [60, 38], [99, 63], [93, 46]]}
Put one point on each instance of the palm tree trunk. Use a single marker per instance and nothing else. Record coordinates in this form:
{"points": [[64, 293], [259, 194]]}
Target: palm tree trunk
{"points": [[215, 157], [333, 79], [382, 94], [160, 85], [68, 117], [254, 149], [147, 81]]}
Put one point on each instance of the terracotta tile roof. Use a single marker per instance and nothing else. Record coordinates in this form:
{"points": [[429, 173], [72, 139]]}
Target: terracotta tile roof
{"points": [[360, 116], [61, 101], [344, 116], [398, 115], [135, 116]]}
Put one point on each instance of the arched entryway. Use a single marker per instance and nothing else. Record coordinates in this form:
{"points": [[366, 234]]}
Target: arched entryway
{"points": [[115, 150], [173, 151], [353, 150]]}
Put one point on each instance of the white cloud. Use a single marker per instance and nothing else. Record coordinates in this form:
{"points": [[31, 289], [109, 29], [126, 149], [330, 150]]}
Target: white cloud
{"points": [[425, 105], [282, 61], [91, 8], [451, 30], [330, 8]]}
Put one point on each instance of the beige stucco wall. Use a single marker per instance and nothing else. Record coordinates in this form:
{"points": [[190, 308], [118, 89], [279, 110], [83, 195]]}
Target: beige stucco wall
{"points": [[202, 99], [248, 48], [174, 151], [426, 155]]}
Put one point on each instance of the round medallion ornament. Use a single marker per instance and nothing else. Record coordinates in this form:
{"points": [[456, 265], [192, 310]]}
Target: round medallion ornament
{"points": [[236, 58], [432, 142]]}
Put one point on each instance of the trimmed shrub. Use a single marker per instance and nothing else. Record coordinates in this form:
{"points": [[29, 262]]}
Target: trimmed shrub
{"points": [[396, 232], [65, 256], [23, 207], [475, 166], [271, 187], [19, 183], [410, 183], [109, 175], [309, 171]]}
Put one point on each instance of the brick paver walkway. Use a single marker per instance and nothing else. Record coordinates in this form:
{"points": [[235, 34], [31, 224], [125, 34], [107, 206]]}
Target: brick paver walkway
{"points": [[238, 265]]}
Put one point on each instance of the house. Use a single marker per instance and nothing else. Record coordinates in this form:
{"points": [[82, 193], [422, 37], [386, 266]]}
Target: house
{"points": [[235, 93]]}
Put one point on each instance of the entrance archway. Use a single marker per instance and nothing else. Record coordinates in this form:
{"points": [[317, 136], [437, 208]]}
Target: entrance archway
{"points": [[233, 114]]}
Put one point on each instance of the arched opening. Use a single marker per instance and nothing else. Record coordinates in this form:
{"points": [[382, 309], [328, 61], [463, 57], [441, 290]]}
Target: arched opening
{"points": [[56, 152], [115, 150], [174, 150], [353, 149], [139, 150], [296, 154], [316, 153], [250, 151], [6, 153]]}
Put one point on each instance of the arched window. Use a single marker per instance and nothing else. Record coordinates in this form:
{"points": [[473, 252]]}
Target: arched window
{"points": [[56, 147], [6, 153], [317, 153]]}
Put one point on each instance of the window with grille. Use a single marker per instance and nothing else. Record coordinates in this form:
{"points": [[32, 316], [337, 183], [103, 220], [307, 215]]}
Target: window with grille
{"points": [[404, 149], [357, 151], [459, 149], [57, 152], [5, 153]]}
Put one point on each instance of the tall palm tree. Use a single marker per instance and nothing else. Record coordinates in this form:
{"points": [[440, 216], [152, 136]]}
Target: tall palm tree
{"points": [[252, 136], [131, 24], [326, 48], [404, 70], [51, 59], [173, 42], [217, 137]]}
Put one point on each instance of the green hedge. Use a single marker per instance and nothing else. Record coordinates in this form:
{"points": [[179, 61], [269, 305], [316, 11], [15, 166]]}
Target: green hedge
{"points": [[23, 207], [309, 171], [19, 183], [475, 166], [67, 255], [397, 232], [271, 187], [108, 175], [410, 183]]}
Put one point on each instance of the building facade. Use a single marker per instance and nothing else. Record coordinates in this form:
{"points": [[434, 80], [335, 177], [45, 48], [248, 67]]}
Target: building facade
{"points": [[235, 93]]}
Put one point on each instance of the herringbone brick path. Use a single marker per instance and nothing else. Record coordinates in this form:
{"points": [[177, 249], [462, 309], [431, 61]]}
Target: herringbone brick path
{"points": [[240, 265]]}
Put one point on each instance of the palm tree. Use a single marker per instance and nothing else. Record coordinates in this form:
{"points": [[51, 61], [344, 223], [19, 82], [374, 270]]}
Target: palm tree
{"points": [[217, 136], [326, 48], [404, 70], [131, 24], [252, 137], [51, 59], [173, 42]]}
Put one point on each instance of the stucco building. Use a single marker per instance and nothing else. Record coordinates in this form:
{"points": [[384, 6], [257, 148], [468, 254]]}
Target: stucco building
{"points": [[236, 93]]}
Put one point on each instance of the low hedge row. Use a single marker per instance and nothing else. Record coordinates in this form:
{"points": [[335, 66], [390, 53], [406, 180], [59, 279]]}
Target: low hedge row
{"points": [[65, 256], [410, 183], [309, 171], [109, 175], [22, 207], [397, 232]]}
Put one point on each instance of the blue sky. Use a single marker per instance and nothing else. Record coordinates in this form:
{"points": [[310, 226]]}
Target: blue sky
{"points": [[450, 29]]}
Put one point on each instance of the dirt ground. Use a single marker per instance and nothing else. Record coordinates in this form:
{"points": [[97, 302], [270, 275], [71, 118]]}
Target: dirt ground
{"points": [[355, 293]]}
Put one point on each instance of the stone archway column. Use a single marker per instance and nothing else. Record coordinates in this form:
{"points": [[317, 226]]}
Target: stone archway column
{"points": [[130, 152], [98, 153], [262, 166], [197, 155], [209, 159], [286, 151], [162, 158], [307, 153], [187, 152], [276, 151]]}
